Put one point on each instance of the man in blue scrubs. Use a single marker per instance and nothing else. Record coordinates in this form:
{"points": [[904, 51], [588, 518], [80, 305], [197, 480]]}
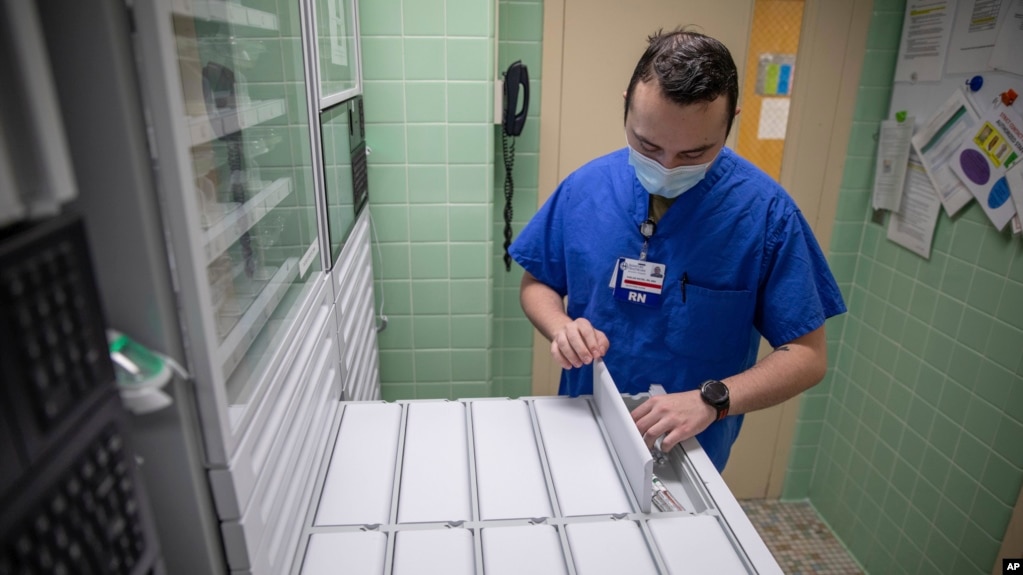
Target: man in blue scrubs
{"points": [[736, 260]]}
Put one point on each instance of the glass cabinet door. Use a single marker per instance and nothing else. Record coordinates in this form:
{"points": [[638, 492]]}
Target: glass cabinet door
{"points": [[344, 167], [336, 23], [245, 98]]}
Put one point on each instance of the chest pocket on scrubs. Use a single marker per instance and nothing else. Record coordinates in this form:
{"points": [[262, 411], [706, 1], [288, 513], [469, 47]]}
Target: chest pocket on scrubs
{"points": [[711, 323]]}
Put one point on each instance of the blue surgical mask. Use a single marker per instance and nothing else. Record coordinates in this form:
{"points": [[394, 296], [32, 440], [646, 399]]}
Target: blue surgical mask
{"points": [[661, 181]]}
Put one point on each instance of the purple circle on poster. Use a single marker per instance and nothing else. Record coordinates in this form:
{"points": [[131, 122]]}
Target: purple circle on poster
{"points": [[974, 165], [999, 194]]}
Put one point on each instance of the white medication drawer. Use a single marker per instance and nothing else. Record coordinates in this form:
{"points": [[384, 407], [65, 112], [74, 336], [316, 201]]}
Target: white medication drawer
{"points": [[435, 466], [434, 552], [546, 485], [522, 549], [584, 473], [348, 552], [509, 475], [609, 548], [360, 482], [694, 544]]}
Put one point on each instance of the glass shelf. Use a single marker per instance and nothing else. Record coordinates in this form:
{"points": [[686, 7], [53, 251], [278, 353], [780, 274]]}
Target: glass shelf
{"points": [[235, 223], [226, 12], [205, 129], [251, 321]]}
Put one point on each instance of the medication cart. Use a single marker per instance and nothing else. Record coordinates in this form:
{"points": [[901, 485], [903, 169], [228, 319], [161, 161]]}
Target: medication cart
{"points": [[532, 485]]}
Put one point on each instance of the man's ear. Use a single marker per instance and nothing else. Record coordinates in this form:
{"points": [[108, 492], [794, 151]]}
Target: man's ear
{"points": [[737, 110]]}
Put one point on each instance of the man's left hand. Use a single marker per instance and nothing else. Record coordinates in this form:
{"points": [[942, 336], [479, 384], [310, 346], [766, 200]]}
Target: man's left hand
{"points": [[676, 416]]}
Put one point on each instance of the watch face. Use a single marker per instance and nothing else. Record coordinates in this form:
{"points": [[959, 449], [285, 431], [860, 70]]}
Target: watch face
{"points": [[715, 392]]}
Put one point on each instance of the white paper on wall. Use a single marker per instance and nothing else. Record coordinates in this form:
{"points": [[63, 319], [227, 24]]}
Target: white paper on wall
{"points": [[1015, 179], [1009, 43], [937, 141], [973, 37], [774, 118], [995, 145], [926, 29], [892, 160], [912, 227], [338, 32]]}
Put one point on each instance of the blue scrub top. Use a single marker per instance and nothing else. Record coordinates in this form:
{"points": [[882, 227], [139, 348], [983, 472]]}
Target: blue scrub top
{"points": [[752, 264]]}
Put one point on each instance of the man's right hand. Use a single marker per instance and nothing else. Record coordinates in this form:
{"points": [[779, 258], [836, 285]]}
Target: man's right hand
{"points": [[578, 343], [574, 343]]}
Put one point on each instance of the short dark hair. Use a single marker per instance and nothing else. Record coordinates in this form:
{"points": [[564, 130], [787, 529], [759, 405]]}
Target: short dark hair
{"points": [[689, 67]]}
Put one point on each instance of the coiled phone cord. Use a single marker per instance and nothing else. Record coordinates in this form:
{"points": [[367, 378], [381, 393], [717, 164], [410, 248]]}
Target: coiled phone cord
{"points": [[509, 190]]}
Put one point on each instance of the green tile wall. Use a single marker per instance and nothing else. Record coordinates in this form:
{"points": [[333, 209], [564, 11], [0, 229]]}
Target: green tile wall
{"points": [[519, 38], [912, 447], [436, 180]]}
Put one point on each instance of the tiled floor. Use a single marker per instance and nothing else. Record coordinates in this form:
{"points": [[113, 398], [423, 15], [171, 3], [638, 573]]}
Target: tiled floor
{"points": [[801, 543]]}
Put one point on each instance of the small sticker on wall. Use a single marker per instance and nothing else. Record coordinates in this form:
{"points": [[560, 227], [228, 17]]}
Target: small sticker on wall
{"points": [[774, 74]]}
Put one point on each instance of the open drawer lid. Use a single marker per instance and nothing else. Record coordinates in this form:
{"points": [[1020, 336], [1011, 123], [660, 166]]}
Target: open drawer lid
{"points": [[632, 451]]}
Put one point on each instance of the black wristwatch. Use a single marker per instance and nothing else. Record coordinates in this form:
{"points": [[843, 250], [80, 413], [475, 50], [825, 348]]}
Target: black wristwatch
{"points": [[715, 394]]}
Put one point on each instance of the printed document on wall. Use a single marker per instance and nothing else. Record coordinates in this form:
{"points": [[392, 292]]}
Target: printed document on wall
{"points": [[973, 36], [890, 171], [995, 144], [926, 28], [338, 32], [912, 227], [1015, 178], [937, 141], [1009, 43]]}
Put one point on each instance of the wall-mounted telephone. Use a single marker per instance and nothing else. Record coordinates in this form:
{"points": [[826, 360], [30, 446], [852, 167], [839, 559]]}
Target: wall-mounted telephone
{"points": [[513, 121], [517, 76]]}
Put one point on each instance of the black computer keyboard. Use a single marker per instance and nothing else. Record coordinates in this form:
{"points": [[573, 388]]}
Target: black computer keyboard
{"points": [[88, 521], [51, 328], [70, 496]]}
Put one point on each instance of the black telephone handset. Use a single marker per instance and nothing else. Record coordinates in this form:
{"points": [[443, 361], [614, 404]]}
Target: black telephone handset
{"points": [[517, 75], [512, 124]]}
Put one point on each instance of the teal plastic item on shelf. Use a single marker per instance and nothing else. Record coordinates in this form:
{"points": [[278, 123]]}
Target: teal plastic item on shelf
{"points": [[141, 373]]}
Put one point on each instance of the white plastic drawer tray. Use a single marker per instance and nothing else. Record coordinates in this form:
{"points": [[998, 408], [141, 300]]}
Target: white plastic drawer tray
{"points": [[532, 485]]}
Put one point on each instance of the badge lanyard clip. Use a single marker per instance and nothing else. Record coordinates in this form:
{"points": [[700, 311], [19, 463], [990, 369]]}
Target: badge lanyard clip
{"points": [[646, 229]]}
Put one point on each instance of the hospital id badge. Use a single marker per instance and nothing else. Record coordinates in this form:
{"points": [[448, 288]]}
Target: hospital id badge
{"points": [[638, 281]]}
